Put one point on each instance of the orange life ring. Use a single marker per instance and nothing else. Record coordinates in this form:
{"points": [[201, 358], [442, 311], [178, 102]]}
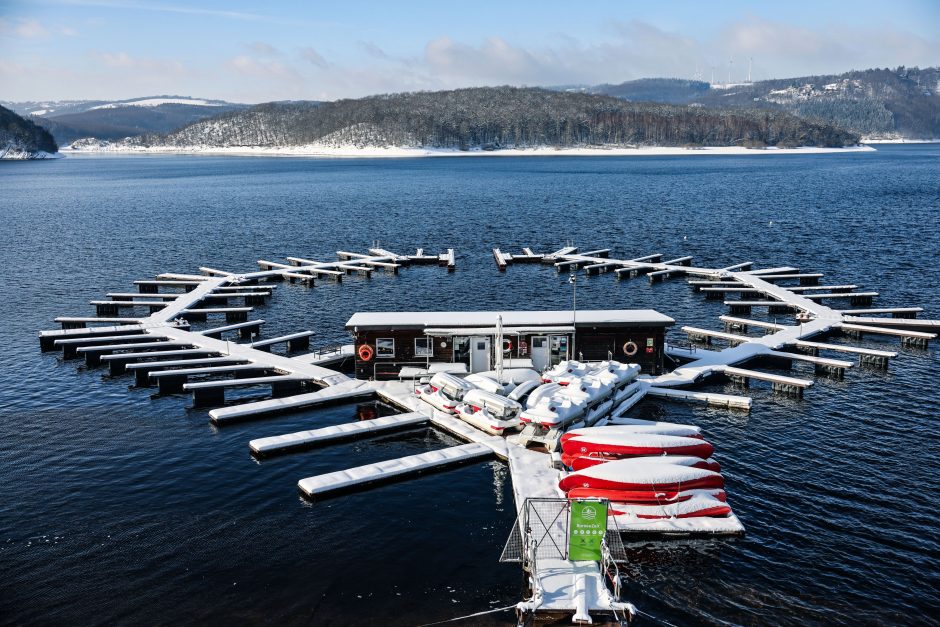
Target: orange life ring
{"points": [[507, 346], [366, 352], [630, 348]]}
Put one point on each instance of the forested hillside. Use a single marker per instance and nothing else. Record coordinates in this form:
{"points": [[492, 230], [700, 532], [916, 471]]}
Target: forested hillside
{"points": [[903, 102], [490, 118], [21, 139]]}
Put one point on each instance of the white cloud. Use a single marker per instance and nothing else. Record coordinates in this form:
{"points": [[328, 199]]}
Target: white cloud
{"points": [[262, 71], [25, 28], [259, 68], [123, 61]]}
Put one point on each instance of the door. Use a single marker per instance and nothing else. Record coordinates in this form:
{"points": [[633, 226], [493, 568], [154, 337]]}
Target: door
{"points": [[559, 349], [540, 352], [479, 354]]}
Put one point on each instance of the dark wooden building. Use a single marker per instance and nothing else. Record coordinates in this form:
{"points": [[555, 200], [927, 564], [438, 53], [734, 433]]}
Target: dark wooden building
{"points": [[388, 341]]}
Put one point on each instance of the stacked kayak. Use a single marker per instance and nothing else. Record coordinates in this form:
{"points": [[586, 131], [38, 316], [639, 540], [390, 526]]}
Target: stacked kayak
{"points": [[572, 389], [647, 470]]}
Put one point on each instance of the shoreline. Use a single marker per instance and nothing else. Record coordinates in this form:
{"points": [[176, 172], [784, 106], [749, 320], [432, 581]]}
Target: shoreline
{"points": [[351, 152]]}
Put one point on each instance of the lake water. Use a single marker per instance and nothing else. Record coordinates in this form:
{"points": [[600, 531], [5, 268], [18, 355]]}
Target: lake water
{"points": [[119, 508]]}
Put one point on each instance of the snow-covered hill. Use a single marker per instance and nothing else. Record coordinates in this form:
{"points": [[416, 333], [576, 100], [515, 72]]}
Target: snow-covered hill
{"points": [[22, 139]]}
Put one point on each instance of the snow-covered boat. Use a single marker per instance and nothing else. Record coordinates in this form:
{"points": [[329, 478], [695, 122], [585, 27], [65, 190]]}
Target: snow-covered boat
{"points": [[542, 392], [521, 392], [444, 391], [698, 505], [489, 412], [625, 474], [644, 497], [579, 461], [660, 428], [553, 411], [563, 372], [591, 388], [637, 445]]}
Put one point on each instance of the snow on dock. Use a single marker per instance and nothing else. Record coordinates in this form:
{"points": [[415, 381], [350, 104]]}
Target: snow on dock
{"points": [[334, 393], [246, 330], [304, 439], [320, 485], [897, 311], [294, 341], [709, 398]]}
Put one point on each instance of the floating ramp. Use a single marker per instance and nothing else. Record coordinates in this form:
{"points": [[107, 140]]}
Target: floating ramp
{"points": [[348, 389], [709, 398], [388, 470], [303, 439]]}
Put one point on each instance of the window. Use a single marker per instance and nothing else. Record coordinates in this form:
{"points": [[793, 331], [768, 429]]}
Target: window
{"points": [[424, 347], [385, 347]]}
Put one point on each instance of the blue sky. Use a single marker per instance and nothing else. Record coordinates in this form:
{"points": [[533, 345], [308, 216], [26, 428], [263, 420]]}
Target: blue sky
{"points": [[277, 50]]}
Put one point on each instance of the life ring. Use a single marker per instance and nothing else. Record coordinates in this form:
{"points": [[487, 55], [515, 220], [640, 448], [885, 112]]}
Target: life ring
{"points": [[507, 346], [630, 348], [366, 352]]}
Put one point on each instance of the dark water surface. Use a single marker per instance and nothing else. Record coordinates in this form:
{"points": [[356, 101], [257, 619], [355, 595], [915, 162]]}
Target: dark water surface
{"points": [[119, 508]]}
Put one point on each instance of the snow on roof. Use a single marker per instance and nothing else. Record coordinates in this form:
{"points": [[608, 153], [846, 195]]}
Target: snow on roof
{"points": [[452, 319]]}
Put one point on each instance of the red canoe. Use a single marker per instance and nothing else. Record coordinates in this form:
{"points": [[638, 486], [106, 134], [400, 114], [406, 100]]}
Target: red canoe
{"points": [[624, 474], [639, 444], [642, 497], [695, 507], [580, 462]]}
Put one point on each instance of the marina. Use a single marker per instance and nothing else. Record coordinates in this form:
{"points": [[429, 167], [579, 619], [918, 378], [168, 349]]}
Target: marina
{"points": [[144, 499], [408, 359]]}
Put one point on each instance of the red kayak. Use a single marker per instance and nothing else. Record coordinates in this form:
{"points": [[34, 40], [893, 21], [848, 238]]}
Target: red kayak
{"points": [[624, 474], [695, 507], [639, 427], [642, 497], [640, 444], [580, 462]]}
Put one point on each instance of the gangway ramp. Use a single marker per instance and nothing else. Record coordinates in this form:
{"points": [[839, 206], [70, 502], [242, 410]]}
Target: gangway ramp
{"points": [[351, 478], [277, 444]]}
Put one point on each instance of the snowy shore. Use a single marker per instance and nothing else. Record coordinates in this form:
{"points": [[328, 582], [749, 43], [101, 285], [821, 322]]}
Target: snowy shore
{"points": [[374, 152], [17, 154]]}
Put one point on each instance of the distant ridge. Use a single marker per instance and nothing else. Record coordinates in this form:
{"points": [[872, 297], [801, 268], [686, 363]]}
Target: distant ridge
{"points": [[900, 103], [115, 120], [493, 118]]}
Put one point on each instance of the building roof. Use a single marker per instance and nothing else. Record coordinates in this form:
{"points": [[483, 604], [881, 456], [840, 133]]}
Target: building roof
{"points": [[394, 320]]}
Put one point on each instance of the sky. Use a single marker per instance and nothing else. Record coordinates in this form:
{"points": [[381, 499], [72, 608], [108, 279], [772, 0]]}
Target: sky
{"points": [[250, 52]]}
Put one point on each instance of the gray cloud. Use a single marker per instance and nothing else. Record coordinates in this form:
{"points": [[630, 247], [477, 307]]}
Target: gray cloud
{"points": [[312, 56]]}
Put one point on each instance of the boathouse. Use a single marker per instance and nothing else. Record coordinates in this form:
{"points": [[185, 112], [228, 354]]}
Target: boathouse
{"points": [[394, 344]]}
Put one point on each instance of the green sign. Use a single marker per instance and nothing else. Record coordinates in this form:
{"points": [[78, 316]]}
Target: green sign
{"points": [[587, 529]]}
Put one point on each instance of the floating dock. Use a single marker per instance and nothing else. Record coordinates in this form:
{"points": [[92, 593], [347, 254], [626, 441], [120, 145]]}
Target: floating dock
{"points": [[388, 470], [161, 348], [278, 444]]}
